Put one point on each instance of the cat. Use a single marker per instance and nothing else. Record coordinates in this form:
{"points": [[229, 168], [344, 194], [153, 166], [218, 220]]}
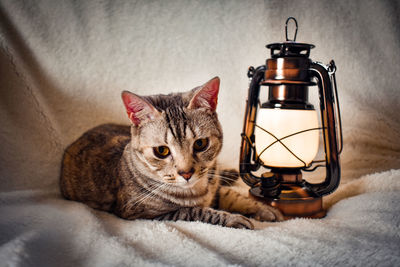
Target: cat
{"points": [[161, 167]]}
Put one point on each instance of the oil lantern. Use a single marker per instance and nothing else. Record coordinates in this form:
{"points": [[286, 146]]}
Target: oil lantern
{"points": [[281, 135]]}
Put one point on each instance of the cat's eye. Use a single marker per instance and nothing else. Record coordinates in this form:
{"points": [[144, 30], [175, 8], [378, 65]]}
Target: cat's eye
{"points": [[200, 144], [161, 151]]}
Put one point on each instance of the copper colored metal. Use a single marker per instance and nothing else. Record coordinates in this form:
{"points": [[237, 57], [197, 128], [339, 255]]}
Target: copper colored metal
{"points": [[292, 96], [291, 70], [282, 92], [296, 177], [294, 201], [293, 197]]}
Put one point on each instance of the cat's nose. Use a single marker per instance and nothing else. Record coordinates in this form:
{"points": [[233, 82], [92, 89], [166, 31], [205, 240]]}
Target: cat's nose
{"points": [[186, 174]]}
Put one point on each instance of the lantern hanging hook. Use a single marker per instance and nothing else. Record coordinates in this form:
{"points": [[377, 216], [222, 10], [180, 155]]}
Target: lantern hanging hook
{"points": [[286, 31]]}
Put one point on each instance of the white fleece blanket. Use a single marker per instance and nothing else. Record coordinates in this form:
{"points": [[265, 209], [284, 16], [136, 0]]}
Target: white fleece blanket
{"points": [[63, 65], [38, 228]]}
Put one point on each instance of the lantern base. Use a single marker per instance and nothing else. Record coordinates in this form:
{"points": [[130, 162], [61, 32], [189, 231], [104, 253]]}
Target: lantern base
{"points": [[293, 200]]}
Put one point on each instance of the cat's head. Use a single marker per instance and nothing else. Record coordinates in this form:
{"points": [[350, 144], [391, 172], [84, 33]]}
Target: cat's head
{"points": [[176, 137]]}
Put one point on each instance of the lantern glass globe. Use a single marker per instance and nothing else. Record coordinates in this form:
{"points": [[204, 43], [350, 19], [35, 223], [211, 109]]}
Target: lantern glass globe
{"points": [[281, 123]]}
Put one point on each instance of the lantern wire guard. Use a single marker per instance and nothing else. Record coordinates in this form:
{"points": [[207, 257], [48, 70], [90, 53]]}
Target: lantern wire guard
{"points": [[288, 73]]}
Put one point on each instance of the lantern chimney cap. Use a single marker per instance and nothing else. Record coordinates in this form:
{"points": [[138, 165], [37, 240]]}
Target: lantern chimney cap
{"points": [[290, 48]]}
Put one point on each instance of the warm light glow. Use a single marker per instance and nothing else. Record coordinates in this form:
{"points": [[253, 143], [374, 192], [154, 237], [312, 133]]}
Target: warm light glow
{"points": [[283, 122]]}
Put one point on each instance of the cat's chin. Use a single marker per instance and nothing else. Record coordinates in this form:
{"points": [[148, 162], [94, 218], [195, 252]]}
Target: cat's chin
{"points": [[196, 184], [185, 185]]}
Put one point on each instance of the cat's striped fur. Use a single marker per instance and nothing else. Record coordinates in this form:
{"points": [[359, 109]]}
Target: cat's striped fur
{"points": [[115, 168]]}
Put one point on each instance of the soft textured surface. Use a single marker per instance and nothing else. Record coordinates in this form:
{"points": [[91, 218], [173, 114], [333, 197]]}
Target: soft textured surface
{"points": [[63, 65], [42, 229]]}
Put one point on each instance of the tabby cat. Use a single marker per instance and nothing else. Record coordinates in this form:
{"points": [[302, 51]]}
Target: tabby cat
{"points": [[161, 167]]}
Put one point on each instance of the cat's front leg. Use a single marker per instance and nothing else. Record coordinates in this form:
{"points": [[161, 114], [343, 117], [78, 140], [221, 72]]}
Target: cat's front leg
{"points": [[232, 201], [208, 215]]}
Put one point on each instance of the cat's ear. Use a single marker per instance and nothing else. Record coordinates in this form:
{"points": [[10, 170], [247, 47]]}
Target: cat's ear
{"points": [[138, 108], [206, 96]]}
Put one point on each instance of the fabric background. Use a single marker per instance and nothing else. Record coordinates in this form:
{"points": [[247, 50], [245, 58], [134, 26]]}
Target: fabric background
{"points": [[63, 65]]}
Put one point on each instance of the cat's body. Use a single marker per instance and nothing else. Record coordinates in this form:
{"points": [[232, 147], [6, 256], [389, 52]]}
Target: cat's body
{"points": [[162, 167]]}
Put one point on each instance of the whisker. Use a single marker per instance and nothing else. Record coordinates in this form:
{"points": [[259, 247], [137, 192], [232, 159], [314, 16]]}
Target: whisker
{"points": [[196, 182], [230, 181], [232, 173], [145, 191], [150, 194], [224, 177], [224, 165], [142, 198]]}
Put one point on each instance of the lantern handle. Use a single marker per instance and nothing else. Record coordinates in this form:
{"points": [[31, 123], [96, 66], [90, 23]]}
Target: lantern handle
{"points": [[332, 71], [327, 99], [286, 30]]}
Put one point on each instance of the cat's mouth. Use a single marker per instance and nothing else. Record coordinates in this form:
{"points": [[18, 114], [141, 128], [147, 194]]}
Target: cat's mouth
{"points": [[182, 182]]}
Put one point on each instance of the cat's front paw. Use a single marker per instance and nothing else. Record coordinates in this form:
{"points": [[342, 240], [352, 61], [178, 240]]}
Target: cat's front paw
{"points": [[239, 221], [267, 213]]}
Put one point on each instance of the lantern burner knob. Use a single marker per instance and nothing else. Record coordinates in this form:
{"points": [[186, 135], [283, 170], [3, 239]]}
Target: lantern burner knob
{"points": [[270, 185]]}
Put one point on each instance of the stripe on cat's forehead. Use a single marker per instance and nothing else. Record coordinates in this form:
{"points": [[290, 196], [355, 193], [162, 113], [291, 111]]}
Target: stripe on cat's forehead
{"points": [[177, 122], [175, 116]]}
